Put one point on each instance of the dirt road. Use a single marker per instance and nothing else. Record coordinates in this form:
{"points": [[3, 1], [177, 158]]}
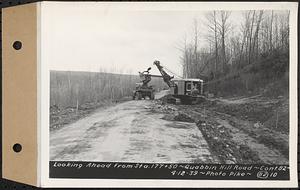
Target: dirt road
{"points": [[130, 132]]}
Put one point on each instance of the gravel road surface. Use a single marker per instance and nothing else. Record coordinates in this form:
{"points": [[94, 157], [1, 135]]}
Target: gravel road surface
{"points": [[130, 132]]}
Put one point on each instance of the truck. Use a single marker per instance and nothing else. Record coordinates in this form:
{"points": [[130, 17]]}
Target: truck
{"points": [[142, 89]]}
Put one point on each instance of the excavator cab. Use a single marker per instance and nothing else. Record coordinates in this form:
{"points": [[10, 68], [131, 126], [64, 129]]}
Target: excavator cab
{"points": [[187, 90]]}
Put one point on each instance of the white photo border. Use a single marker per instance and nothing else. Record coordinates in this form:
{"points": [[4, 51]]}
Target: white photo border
{"points": [[44, 92]]}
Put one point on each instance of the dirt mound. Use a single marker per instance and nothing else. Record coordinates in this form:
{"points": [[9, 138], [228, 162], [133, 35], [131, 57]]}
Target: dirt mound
{"points": [[161, 94], [184, 118], [168, 99], [171, 113], [220, 141]]}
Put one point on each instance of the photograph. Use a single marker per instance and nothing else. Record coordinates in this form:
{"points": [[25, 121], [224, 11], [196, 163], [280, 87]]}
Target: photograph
{"points": [[168, 86], [150, 94]]}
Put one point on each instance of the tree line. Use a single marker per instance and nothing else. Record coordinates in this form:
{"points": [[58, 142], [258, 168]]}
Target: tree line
{"points": [[231, 46], [74, 88]]}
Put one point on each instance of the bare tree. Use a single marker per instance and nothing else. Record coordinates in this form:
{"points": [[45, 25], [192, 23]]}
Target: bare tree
{"points": [[271, 34], [245, 27], [196, 34], [255, 38], [224, 27], [212, 24], [252, 38]]}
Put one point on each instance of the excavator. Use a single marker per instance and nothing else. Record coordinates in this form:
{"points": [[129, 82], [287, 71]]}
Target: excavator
{"points": [[187, 91]]}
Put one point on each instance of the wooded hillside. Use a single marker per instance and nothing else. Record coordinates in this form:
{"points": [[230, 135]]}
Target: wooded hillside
{"points": [[230, 47]]}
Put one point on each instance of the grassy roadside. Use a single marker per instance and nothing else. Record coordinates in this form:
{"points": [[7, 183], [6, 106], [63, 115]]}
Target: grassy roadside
{"points": [[60, 117]]}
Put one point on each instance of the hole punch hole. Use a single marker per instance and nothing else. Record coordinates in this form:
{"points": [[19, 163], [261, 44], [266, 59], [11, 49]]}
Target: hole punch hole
{"points": [[17, 147], [17, 45]]}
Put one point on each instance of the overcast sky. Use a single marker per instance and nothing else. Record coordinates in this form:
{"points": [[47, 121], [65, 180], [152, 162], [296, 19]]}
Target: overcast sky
{"points": [[88, 37]]}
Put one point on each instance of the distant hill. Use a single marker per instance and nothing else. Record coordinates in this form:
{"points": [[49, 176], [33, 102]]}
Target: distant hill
{"points": [[72, 88]]}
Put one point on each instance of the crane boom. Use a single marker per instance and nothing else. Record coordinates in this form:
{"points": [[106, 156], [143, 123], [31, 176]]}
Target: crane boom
{"points": [[166, 77]]}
